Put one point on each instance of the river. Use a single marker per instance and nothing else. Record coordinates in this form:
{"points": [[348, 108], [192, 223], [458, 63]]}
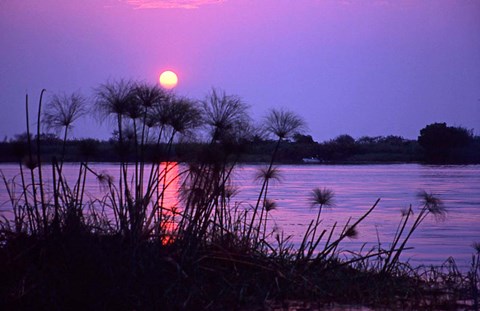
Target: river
{"points": [[356, 188]]}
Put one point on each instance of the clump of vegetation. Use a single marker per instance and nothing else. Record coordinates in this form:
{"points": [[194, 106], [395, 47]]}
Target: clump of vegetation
{"points": [[448, 144], [131, 249]]}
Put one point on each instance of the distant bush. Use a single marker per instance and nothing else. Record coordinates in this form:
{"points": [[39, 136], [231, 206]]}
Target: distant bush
{"points": [[445, 144]]}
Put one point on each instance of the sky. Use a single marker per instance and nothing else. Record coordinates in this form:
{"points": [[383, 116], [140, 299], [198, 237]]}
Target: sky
{"points": [[363, 68]]}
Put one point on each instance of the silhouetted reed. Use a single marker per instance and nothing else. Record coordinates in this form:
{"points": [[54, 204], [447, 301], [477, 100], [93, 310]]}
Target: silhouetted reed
{"points": [[431, 205], [61, 112], [281, 124], [132, 249]]}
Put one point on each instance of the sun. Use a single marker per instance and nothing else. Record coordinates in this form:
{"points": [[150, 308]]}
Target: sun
{"points": [[168, 79]]}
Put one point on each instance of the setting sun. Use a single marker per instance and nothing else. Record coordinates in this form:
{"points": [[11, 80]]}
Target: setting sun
{"points": [[168, 79]]}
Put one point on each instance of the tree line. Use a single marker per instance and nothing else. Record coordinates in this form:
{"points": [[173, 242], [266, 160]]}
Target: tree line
{"points": [[141, 112], [432, 146], [437, 143]]}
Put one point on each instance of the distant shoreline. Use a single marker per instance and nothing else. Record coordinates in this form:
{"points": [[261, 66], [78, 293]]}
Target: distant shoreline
{"points": [[383, 152]]}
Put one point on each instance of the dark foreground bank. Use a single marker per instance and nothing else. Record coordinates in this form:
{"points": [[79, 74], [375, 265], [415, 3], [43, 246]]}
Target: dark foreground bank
{"points": [[130, 250], [98, 271]]}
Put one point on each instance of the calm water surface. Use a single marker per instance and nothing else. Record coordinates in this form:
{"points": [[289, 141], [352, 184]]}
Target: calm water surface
{"points": [[356, 188]]}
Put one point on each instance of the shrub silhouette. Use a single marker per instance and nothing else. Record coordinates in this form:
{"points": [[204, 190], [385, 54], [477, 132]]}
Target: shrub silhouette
{"points": [[442, 143]]}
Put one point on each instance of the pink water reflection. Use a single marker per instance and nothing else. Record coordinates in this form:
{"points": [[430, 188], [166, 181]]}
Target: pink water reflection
{"points": [[168, 198], [356, 189]]}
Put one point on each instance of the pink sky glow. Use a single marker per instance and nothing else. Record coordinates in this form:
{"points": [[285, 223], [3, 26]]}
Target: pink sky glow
{"points": [[348, 67], [170, 4]]}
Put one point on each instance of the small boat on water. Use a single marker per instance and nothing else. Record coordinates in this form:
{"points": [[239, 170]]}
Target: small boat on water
{"points": [[311, 160]]}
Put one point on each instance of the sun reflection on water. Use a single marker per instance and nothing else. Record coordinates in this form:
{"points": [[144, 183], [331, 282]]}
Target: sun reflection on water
{"points": [[168, 198]]}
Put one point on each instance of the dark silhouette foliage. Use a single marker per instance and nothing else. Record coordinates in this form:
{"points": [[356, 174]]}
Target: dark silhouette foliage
{"points": [[444, 144], [340, 148], [303, 139]]}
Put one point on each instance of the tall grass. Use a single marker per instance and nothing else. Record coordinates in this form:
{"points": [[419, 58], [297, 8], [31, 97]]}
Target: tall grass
{"points": [[131, 249]]}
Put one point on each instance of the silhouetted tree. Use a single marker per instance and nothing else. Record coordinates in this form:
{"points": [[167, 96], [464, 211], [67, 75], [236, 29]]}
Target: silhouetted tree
{"points": [[345, 141], [340, 148], [303, 139], [443, 143]]}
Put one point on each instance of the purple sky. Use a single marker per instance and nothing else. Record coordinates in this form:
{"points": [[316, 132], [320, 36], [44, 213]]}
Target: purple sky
{"points": [[348, 67]]}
